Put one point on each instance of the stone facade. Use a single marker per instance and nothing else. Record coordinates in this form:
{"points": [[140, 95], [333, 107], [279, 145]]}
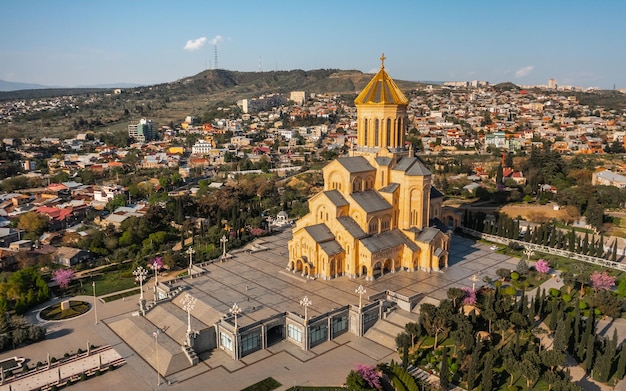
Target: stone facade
{"points": [[375, 212]]}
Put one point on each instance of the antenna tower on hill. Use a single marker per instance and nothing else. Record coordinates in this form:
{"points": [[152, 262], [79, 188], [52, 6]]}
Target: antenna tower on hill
{"points": [[215, 61]]}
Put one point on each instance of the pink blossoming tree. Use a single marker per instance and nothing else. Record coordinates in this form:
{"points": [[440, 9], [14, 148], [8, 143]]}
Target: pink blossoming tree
{"points": [[63, 277], [542, 266], [601, 281], [368, 374], [470, 296]]}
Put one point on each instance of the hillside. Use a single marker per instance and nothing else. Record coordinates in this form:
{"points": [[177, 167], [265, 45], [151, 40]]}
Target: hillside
{"points": [[164, 103]]}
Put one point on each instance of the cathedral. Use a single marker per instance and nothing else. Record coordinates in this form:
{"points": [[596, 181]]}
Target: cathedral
{"points": [[374, 214]]}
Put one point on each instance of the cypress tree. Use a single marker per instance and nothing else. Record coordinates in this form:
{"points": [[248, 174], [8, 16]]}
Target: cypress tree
{"points": [[444, 373], [589, 354], [576, 340], [601, 246], [614, 253], [585, 248], [486, 380], [621, 363]]}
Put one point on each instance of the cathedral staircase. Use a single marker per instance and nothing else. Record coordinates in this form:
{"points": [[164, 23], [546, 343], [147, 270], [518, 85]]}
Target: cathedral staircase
{"points": [[384, 331]]}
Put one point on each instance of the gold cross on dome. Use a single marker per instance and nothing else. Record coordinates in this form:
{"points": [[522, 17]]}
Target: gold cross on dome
{"points": [[382, 60]]}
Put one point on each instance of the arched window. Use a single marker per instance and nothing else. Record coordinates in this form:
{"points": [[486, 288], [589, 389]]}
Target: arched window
{"points": [[376, 131], [388, 132], [365, 132], [400, 132]]}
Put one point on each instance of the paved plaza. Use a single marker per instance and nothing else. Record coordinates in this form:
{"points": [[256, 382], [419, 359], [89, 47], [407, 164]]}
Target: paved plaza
{"points": [[261, 286]]}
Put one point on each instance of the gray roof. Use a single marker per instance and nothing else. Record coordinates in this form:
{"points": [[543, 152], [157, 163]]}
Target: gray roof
{"points": [[428, 234], [412, 166], [355, 164], [387, 239], [331, 247], [336, 198], [390, 188], [383, 161], [435, 193], [351, 226], [320, 233], [370, 201]]}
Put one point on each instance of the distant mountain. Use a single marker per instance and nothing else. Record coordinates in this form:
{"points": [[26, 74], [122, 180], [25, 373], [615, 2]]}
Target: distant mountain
{"points": [[112, 85], [16, 86], [223, 85]]}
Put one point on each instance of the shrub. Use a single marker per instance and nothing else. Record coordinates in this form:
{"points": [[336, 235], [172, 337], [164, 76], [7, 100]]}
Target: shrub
{"points": [[566, 298], [514, 276], [554, 292], [83, 376]]}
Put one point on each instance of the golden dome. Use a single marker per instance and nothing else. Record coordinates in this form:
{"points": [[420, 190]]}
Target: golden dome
{"points": [[382, 90]]}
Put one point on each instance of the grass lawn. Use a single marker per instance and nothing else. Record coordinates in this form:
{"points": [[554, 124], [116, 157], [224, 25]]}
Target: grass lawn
{"points": [[108, 281], [54, 312], [266, 384]]}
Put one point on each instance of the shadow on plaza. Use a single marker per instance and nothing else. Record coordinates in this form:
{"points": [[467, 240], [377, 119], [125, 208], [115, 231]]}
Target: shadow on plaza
{"points": [[587, 385], [59, 333], [460, 247]]}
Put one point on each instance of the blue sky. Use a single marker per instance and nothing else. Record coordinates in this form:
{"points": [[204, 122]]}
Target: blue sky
{"points": [[72, 43]]}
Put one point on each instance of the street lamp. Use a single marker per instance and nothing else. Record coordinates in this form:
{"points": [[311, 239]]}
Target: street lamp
{"points": [[305, 302], [95, 303], [474, 279], [156, 265], [189, 303], [235, 310], [155, 334], [360, 291], [223, 240], [140, 275], [190, 251], [529, 253]]}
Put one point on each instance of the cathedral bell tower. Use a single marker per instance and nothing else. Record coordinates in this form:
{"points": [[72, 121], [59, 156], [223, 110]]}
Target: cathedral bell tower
{"points": [[382, 120]]}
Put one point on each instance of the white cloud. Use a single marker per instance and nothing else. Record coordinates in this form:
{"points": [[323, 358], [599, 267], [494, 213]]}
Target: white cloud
{"points": [[216, 39], [195, 44], [524, 71]]}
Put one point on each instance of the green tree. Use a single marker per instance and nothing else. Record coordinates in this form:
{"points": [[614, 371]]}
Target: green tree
{"points": [[444, 372], [486, 379], [33, 223]]}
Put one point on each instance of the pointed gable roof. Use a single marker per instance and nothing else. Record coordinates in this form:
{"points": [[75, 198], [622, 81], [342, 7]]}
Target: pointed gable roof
{"points": [[412, 166], [382, 90]]}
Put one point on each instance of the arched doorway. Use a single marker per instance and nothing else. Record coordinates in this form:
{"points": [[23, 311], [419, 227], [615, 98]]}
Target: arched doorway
{"points": [[363, 271], [377, 270]]}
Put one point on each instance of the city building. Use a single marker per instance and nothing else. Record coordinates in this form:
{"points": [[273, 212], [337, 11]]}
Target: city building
{"points": [[142, 131], [374, 213]]}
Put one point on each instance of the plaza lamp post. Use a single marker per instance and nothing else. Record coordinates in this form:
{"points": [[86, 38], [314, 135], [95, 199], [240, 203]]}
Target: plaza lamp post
{"points": [[529, 253], [155, 334], [189, 303], [156, 265], [95, 303], [305, 302], [474, 279], [223, 240], [235, 310], [360, 291], [140, 275], [190, 251]]}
